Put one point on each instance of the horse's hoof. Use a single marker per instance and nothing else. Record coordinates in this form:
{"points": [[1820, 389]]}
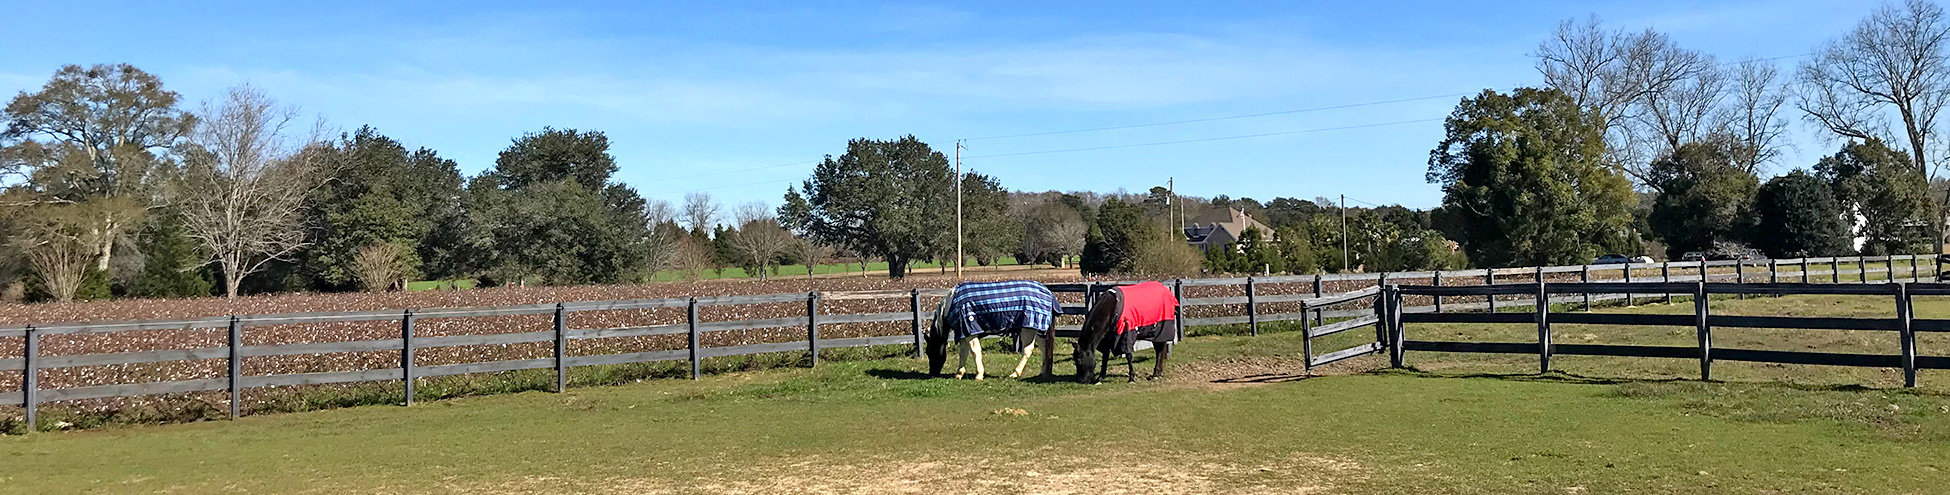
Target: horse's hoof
{"points": [[1015, 375], [978, 378]]}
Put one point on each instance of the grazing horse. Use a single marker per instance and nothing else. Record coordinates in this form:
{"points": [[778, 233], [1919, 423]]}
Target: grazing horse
{"points": [[978, 309], [1118, 319]]}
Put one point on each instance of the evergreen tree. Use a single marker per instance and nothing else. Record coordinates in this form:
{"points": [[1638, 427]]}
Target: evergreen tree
{"points": [[1799, 218]]}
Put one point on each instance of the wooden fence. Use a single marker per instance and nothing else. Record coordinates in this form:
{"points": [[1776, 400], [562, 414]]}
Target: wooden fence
{"points": [[1313, 300]]}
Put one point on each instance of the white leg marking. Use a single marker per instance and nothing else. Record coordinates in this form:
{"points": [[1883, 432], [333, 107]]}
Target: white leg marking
{"points": [[1030, 337], [975, 345]]}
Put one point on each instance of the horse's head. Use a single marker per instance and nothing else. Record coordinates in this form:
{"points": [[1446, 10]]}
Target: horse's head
{"points": [[937, 338], [1097, 326]]}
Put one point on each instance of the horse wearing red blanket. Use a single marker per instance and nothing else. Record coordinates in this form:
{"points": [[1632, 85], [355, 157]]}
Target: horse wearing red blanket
{"points": [[1118, 319]]}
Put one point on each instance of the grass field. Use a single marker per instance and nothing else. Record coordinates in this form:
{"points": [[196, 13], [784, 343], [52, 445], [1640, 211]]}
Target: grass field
{"points": [[1235, 417]]}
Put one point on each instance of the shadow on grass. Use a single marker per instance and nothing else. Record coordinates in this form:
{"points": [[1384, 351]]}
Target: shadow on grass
{"points": [[900, 374], [1574, 378], [1265, 378]]}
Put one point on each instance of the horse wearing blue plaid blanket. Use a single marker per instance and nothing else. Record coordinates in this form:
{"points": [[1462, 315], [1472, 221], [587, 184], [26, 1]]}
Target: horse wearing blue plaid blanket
{"points": [[978, 309]]}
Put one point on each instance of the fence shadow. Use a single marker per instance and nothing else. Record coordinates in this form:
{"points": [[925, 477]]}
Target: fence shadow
{"points": [[1574, 378]]}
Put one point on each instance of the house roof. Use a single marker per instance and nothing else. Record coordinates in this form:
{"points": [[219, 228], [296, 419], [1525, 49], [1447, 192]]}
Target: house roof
{"points": [[1232, 221]]}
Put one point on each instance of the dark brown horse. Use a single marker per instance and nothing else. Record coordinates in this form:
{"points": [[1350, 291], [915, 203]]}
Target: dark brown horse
{"points": [[1100, 336]]}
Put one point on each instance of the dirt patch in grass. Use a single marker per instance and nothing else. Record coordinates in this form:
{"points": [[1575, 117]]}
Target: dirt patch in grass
{"points": [[1047, 472], [1246, 371]]}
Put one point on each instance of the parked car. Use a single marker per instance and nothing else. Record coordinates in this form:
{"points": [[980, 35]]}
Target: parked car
{"points": [[1643, 259], [1742, 255], [1612, 259], [1693, 256]]}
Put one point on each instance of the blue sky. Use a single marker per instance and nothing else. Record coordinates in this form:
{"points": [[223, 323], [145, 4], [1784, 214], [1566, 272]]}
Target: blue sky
{"points": [[723, 96]]}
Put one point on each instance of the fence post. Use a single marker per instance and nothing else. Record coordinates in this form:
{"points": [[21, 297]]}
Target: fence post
{"points": [[406, 353], [1903, 316], [1862, 269], [1543, 328], [1438, 299], [1704, 330], [1914, 272], [1740, 273], [914, 304], [1628, 279], [235, 370], [1584, 276], [690, 317], [561, 348], [1489, 278], [1936, 266], [1178, 292], [1306, 338], [1252, 308], [1835, 269], [1773, 271], [30, 352], [1804, 271], [812, 326], [1318, 318], [1392, 320], [1665, 275]]}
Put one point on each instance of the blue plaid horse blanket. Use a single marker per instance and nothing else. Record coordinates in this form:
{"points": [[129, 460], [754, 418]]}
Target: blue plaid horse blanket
{"points": [[985, 308]]}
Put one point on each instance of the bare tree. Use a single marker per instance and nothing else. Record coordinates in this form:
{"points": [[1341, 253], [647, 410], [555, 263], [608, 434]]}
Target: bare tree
{"points": [[661, 249], [1893, 62], [812, 253], [60, 241], [1052, 232], [1753, 113], [379, 266], [1651, 93], [759, 239], [700, 211], [244, 187]]}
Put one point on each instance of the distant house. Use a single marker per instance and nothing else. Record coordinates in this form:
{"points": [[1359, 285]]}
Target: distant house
{"points": [[1221, 227]]}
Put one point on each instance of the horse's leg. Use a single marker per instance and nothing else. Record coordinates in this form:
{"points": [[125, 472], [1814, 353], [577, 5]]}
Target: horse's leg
{"points": [[1164, 352], [1130, 370], [975, 344], [961, 358], [1026, 352]]}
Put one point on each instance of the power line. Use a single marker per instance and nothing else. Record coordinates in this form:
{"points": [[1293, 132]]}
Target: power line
{"points": [[723, 187], [767, 167], [1220, 138], [1229, 117]]}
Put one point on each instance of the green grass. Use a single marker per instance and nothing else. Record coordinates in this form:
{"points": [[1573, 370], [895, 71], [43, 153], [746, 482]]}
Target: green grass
{"points": [[1457, 424]]}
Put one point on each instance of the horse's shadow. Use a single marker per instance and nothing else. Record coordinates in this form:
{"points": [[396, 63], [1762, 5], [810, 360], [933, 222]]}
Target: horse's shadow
{"points": [[903, 374]]}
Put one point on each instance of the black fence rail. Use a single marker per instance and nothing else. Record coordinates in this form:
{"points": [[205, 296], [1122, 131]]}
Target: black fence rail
{"points": [[1902, 321], [1352, 301]]}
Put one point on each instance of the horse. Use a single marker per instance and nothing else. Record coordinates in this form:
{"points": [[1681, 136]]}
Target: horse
{"points": [[1118, 318], [1022, 308]]}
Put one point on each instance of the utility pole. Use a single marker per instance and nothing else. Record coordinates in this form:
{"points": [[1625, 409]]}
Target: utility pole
{"points": [[958, 255], [1171, 198], [1344, 266]]}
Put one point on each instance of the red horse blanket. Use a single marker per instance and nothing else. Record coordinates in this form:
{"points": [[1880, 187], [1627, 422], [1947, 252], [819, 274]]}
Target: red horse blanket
{"points": [[1147, 311]]}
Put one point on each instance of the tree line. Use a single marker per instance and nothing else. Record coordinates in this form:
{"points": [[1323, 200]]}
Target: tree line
{"points": [[112, 188]]}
